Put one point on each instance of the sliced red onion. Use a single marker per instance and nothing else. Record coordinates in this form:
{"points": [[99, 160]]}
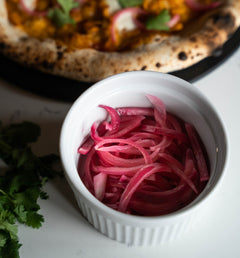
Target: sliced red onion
{"points": [[86, 146], [159, 109], [30, 11], [113, 170], [174, 20], [115, 119], [136, 180], [99, 182], [198, 152], [149, 160], [133, 11], [145, 154], [197, 6], [135, 111]]}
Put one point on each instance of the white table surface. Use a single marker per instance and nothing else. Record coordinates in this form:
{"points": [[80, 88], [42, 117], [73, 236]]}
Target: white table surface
{"points": [[66, 234]]}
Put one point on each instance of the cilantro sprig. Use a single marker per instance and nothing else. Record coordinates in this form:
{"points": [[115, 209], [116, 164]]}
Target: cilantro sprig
{"points": [[21, 183], [61, 15], [158, 22]]}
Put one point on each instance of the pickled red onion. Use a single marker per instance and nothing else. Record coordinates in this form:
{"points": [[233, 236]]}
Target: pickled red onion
{"points": [[197, 6], [29, 11], [145, 158], [133, 11]]}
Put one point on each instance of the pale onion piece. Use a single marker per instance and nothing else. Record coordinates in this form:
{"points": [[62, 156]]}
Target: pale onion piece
{"points": [[147, 157], [136, 180], [125, 19], [86, 146], [29, 6], [113, 6], [114, 170], [198, 152], [174, 20], [99, 182], [128, 111]]}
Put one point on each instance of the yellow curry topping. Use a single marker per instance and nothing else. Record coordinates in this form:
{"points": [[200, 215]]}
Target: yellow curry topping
{"points": [[96, 24]]}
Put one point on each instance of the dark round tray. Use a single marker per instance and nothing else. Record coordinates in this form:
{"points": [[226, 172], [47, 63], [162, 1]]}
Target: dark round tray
{"points": [[67, 90]]}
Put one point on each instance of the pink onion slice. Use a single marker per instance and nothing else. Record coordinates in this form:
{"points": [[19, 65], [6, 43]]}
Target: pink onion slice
{"points": [[133, 11], [128, 149], [165, 132], [87, 170], [197, 6], [151, 160], [198, 152], [118, 161], [127, 111], [145, 154], [99, 182], [162, 145], [131, 125], [86, 146], [159, 109], [31, 12], [136, 180], [113, 170], [181, 174], [174, 20], [115, 119]]}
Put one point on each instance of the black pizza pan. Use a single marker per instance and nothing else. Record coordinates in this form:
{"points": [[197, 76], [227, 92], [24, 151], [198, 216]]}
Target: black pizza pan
{"points": [[68, 90]]}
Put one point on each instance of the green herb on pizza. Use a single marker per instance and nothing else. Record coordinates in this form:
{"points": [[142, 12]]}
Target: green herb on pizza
{"points": [[159, 22], [130, 3], [61, 16]]}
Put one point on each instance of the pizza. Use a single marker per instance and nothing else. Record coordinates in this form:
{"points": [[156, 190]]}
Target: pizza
{"points": [[88, 40]]}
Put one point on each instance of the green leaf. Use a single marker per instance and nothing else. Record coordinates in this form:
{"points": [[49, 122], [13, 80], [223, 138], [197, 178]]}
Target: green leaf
{"points": [[10, 228], [3, 238], [21, 213], [34, 220], [28, 198], [68, 5], [158, 22], [61, 16], [10, 249], [130, 3], [19, 135], [43, 195]]}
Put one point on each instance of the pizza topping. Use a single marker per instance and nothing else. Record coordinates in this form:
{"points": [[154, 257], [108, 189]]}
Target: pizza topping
{"points": [[113, 6], [174, 20], [159, 22], [61, 16], [126, 19], [29, 7], [106, 25], [197, 6]]}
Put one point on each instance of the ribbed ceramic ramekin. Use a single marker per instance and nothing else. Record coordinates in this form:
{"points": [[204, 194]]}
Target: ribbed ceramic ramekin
{"points": [[129, 89]]}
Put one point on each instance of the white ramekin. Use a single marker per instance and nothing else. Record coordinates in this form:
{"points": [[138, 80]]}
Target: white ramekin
{"points": [[129, 89]]}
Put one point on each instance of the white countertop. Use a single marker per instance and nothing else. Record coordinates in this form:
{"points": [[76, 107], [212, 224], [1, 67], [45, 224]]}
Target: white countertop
{"points": [[66, 234]]}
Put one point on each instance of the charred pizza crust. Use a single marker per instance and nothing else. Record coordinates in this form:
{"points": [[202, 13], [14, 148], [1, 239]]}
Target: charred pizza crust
{"points": [[162, 54]]}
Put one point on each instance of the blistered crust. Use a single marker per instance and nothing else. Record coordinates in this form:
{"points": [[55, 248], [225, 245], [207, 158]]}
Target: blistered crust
{"points": [[163, 54]]}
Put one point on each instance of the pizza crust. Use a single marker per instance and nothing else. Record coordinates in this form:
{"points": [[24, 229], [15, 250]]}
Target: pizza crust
{"points": [[163, 54]]}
